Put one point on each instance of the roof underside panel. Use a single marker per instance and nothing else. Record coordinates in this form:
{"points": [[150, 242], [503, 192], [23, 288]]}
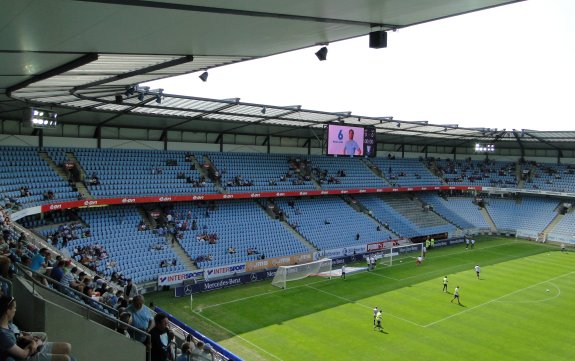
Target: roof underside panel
{"points": [[101, 49]]}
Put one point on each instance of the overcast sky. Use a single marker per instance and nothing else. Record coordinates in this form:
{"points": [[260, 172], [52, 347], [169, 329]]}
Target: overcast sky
{"points": [[510, 67]]}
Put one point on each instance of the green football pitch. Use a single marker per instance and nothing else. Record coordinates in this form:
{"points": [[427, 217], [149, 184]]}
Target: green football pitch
{"points": [[521, 308]]}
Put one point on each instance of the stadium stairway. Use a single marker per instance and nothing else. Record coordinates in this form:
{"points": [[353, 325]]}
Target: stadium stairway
{"points": [[412, 208], [488, 219], [299, 236], [375, 169], [204, 172], [58, 170], [436, 213], [432, 166], [80, 182], [180, 252], [519, 175], [361, 208], [369, 214], [272, 212], [553, 223], [198, 166], [149, 221], [353, 203]]}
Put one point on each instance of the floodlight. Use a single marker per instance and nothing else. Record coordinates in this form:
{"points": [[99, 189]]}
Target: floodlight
{"points": [[204, 76], [41, 118], [322, 53], [484, 148]]}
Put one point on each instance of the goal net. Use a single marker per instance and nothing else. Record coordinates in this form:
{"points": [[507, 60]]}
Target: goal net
{"points": [[285, 274], [398, 254]]}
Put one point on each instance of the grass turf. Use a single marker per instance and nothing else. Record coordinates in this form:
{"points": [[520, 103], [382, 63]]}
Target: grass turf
{"points": [[508, 314]]}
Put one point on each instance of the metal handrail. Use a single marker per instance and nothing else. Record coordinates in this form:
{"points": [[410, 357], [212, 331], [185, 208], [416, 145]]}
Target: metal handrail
{"points": [[38, 242], [30, 276], [57, 285]]}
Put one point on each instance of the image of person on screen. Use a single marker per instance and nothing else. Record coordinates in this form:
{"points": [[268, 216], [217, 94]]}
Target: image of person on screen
{"points": [[351, 147]]}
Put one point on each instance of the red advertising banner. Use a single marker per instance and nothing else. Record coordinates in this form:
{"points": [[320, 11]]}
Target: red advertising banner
{"points": [[208, 197]]}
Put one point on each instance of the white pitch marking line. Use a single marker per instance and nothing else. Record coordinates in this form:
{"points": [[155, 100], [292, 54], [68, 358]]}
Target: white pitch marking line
{"points": [[538, 301], [366, 306], [497, 299], [375, 273], [238, 336]]}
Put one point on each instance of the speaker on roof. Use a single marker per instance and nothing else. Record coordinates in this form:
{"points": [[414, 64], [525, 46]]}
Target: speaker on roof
{"points": [[378, 39]]}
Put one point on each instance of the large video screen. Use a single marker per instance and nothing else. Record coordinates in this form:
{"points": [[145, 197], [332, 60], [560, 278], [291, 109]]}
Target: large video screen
{"points": [[350, 141]]}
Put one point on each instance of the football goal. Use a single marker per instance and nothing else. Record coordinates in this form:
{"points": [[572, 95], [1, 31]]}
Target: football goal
{"points": [[284, 274], [397, 254]]}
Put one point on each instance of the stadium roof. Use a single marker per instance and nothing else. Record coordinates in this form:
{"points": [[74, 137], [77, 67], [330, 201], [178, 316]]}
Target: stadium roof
{"points": [[77, 56]]}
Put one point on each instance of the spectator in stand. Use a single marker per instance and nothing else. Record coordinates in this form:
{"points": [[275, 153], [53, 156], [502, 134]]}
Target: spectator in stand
{"points": [[122, 304], [26, 348], [24, 192], [40, 259], [26, 261], [69, 277], [115, 298], [207, 353], [106, 294], [6, 273], [88, 291], [141, 317], [102, 289], [160, 339], [131, 290], [58, 272], [187, 349], [125, 317], [198, 352]]}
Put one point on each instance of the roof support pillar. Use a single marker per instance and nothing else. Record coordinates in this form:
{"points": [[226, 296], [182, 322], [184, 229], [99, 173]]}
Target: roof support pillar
{"points": [[98, 136], [424, 150], [164, 138], [40, 138], [220, 139]]}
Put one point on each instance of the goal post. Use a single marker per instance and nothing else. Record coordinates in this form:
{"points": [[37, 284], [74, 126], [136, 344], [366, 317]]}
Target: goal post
{"points": [[398, 254], [285, 274]]}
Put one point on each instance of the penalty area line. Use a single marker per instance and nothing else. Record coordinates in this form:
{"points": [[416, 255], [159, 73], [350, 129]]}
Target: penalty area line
{"points": [[261, 295], [238, 336], [366, 306]]}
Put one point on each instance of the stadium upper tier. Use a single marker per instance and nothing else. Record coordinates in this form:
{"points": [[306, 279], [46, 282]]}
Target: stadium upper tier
{"points": [[486, 172], [54, 174]]}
